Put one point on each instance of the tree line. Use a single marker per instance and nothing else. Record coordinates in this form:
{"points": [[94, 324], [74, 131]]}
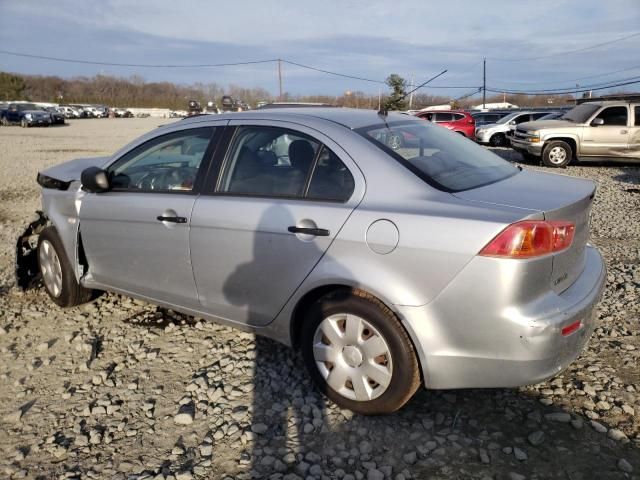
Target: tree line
{"points": [[134, 91]]}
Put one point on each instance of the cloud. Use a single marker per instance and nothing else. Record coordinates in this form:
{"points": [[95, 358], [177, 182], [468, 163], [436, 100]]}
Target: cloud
{"points": [[365, 38]]}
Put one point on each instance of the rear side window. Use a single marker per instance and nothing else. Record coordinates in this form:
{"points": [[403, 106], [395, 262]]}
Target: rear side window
{"points": [[331, 179], [536, 116], [637, 109], [444, 117], [438, 156], [458, 116], [614, 116], [277, 162]]}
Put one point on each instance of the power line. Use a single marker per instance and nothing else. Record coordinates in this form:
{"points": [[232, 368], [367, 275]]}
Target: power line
{"points": [[354, 77], [583, 49], [587, 87], [576, 79], [582, 90], [141, 65]]}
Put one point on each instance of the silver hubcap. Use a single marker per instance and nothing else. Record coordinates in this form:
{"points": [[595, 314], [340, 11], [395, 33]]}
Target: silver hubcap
{"points": [[557, 155], [353, 357], [50, 268]]}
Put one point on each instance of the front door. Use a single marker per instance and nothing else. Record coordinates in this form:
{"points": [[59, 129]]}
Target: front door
{"points": [[610, 139], [281, 198], [136, 236]]}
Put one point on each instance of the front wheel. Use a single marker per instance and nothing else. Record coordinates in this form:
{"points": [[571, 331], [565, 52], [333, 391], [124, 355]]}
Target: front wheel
{"points": [[358, 353], [557, 154], [57, 275], [498, 140]]}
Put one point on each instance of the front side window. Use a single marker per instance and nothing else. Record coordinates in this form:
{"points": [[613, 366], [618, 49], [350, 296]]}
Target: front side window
{"points": [[166, 163], [440, 157], [614, 116], [523, 119], [278, 162], [637, 110]]}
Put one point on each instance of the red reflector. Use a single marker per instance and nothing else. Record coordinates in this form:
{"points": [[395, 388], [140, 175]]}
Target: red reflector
{"points": [[571, 328]]}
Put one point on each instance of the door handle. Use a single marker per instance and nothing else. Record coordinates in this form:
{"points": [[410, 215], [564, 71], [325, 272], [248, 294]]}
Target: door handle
{"points": [[171, 219], [318, 232]]}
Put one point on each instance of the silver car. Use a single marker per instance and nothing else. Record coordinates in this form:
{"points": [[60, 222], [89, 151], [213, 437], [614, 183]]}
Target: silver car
{"points": [[434, 264]]}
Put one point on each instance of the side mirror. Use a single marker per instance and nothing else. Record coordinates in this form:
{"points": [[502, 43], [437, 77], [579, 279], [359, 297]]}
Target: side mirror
{"points": [[94, 180], [512, 122], [597, 121]]}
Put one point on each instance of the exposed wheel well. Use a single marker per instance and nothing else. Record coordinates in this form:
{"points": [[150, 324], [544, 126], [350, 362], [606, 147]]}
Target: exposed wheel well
{"points": [[297, 319], [570, 141]]}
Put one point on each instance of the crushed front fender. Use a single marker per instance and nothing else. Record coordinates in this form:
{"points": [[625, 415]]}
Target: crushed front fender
{"points": [[27, 271]]}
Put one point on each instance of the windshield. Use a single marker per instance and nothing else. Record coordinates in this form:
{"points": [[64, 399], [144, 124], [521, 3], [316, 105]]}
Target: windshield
{"points": [[441, 158], [581, 113], [508, 118]]}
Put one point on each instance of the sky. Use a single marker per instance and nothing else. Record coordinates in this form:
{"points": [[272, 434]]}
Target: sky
{"points": [[370, 39]]}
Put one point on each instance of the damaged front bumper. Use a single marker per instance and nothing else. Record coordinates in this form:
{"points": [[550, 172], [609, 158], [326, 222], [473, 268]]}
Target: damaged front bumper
{"points": [[27, 271]]}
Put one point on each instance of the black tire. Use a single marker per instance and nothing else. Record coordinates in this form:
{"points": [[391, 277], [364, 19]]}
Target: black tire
{"points": [[405, 371], [71, 293], [498, 140], [557, 154]]}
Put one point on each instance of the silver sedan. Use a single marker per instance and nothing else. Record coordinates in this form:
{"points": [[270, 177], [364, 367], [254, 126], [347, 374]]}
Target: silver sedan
{"points": [[390, 251]]}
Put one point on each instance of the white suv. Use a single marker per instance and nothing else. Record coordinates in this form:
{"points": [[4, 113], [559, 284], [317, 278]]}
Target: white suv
{"points": [[495, 134]]}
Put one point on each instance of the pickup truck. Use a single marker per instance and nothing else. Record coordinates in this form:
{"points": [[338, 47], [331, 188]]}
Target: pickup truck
{"points": [[25, 114], [604, 130]]}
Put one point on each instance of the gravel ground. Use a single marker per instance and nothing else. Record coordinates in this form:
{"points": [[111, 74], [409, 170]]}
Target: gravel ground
{"points": [[121, 389]]}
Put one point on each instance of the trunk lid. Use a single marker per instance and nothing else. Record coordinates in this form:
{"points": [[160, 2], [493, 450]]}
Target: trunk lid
{"points": [[557, 197]]}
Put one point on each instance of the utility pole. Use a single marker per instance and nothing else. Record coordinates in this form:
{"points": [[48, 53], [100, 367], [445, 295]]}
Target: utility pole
{"points": [[484, 82], [280, 79], [411, 96]]}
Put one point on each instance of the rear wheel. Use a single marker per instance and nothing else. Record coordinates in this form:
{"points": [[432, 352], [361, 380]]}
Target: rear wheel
{"points": [[57, 274], [498, 140], [557, 154], [358, 353]]}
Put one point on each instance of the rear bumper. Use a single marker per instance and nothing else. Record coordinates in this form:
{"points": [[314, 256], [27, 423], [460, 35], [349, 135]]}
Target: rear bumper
{"points": [[476, 344], [526, 147]]}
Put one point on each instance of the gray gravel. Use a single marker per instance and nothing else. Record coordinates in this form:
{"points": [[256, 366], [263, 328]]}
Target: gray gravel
{"points": [[121, 389]]}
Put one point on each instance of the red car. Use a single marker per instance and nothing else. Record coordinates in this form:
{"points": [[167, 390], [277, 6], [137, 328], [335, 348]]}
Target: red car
{"points": [[456, 120]]}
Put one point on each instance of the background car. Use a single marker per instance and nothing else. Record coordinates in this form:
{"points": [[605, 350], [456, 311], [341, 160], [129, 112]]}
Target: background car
{"points": [[57, 118], [25, 115], [458, 121], [496, 134]]}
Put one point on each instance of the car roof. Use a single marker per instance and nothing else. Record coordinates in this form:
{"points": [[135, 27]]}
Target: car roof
{"points": [[351, 118]]}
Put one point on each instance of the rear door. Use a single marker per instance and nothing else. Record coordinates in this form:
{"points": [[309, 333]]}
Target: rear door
{"points": [[278, 199], [610, 139], [634, 133], [136, 236]]}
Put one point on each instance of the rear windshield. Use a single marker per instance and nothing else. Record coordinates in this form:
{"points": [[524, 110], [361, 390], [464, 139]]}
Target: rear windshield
{"points": [[442, 158]]}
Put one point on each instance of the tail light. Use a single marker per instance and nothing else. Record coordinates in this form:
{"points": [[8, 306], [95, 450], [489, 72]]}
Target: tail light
{"points": [[531, 238]]}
